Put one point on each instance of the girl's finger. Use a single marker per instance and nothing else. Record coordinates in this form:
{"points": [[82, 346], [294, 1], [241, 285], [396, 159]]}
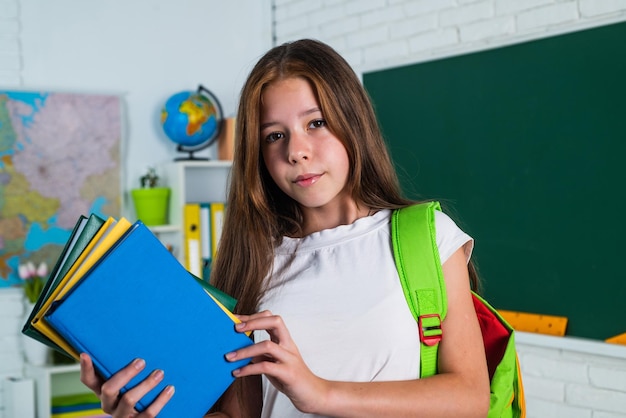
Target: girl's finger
{"points": [[128, 401], [88, 374], [160, 401], [245, 318], [110, 390], [273, 324]]}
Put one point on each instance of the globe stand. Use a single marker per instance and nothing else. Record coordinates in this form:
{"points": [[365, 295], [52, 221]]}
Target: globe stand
{"points": [[190, 157], [201, 95]]}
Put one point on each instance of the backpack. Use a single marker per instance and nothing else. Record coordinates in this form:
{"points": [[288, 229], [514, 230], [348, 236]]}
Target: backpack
{"points": [[417, 260]]}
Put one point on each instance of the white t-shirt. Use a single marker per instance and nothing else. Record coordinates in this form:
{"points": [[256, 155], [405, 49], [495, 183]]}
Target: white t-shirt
{"points": [[343, 304]]}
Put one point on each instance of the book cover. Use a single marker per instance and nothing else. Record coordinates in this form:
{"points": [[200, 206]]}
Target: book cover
{"points": [[138, 301]]}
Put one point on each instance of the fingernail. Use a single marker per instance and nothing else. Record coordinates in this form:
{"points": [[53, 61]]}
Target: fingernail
{"points": [[230, 356], [240, 325], [236, 372], [139, 363], [170, 390], [157, 374]]}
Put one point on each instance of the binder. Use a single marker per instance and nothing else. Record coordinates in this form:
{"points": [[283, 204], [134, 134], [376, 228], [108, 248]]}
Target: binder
{"points": [[205, 238], [217, 222], [192, 238]]}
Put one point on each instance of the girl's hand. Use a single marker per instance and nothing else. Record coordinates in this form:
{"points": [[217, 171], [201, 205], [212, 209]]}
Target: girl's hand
{"points": [[280, 361], [109, 391]]}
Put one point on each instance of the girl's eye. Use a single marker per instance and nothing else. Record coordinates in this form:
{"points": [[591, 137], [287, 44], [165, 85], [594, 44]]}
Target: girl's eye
{"points": [[317, 123], [274, 136]]}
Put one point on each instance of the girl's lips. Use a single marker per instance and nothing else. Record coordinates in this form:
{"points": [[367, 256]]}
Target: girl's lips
{"points": [[307, 179]]}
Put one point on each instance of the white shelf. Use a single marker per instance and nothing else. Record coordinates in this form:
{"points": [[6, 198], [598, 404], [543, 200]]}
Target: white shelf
{"points": [[165, 229], [53, 381], [190, 181]]}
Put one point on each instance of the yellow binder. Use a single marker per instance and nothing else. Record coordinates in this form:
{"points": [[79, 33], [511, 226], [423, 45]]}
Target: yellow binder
{"points": [[192, 238]]}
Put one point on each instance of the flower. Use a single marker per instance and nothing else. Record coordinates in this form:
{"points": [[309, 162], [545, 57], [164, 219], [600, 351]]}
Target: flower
{"points": [[34, 279]]}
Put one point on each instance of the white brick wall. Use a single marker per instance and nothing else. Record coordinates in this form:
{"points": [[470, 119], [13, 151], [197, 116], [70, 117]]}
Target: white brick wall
{"points": [[374, 34], [572, 377], [562, 378], [10, 59]]}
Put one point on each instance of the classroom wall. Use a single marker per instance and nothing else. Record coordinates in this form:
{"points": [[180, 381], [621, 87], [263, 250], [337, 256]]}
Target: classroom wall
{"points": [[143, 50], [569, 378]]}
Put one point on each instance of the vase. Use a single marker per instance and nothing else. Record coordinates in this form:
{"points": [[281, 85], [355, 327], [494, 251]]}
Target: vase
{"points": [[151, 205], [35, 352]]}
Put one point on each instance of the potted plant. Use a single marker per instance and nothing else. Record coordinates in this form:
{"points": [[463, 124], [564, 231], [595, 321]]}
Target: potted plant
{"points": [[151, 202]]}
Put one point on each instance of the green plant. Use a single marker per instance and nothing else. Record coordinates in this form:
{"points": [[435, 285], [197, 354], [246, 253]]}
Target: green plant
{"points": [[34, 279], [150, 179]]}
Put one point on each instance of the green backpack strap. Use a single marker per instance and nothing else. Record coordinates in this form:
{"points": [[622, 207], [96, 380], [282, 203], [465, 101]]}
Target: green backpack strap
{"points": [[417, 260]]}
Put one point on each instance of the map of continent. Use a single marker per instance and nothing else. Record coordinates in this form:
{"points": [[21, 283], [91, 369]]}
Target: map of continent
{"points": [[59, 159]]}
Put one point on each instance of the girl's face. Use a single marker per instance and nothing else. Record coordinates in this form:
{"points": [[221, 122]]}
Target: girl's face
{"points": [[302, 155]]}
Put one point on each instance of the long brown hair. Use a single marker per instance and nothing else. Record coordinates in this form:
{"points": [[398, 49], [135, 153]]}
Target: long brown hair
{"points": [[259, 214]]}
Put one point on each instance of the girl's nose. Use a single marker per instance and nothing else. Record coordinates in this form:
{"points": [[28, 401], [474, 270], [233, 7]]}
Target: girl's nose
{"points": [[298, 148]]}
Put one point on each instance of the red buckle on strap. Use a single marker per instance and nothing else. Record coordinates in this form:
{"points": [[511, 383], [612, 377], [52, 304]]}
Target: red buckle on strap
{"points": [[432, 333]]}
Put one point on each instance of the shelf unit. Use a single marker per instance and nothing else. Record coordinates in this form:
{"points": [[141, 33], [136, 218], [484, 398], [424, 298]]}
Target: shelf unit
{"points": [[189, 181], [51, 381]]}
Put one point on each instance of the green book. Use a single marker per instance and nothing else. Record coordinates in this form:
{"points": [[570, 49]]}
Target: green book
{"points": [[81, 235]]}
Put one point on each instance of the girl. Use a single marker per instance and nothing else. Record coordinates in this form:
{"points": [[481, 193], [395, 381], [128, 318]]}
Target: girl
{"points": [[306, 250]]}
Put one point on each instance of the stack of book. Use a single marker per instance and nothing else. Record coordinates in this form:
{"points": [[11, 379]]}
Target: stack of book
{"points": [[117, 294]]}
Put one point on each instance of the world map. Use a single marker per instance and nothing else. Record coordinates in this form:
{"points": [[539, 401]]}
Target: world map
{"points": [[59, 159]]}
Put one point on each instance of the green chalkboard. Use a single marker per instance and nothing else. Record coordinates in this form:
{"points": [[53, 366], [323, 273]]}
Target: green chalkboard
{"points": [[525, 145]]}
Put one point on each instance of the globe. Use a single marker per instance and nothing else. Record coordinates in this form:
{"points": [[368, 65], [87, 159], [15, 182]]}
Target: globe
{"points": [[192, 119]]}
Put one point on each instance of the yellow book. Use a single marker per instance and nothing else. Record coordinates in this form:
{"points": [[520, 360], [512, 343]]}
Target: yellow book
{"points": [[530, 322], [108, 235], [192, 238]]}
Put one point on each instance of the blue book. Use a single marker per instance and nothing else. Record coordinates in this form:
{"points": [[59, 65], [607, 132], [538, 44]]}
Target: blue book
{"points": [[138, 301]]}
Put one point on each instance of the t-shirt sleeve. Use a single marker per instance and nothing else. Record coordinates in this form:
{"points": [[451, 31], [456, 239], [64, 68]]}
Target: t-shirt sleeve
{"points": [[450, 237]]}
